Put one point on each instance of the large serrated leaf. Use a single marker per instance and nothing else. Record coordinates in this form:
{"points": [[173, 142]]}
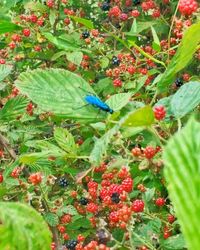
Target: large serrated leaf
{"points": [[21, 225], [4, 71], [61, 92], [65, 140], [13, 108], [182, 168], [185, 99], [182, 57]]}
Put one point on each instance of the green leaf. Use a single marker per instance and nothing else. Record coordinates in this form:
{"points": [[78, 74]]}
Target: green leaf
{"points": [[101, 145], [4, 71], [104, 62], [48, 149], [182, 57], [65, 140], [138, 27], [156, 41], [13, 108], [174, 242], [52, 219], [61, 43], [118, 234], [6, 26], [59, 91], [80, 223], [141, 117], [118, 101], [21, 226], [87, 23], [182, 168], [52, 17], [58, 54], [67, 210], [36, 6], [185, 99], [75, 57]]}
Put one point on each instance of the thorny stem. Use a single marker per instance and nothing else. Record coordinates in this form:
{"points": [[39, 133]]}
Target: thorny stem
{"points": [[179, 124], [154, 131], [154, 98], [130, 231]]}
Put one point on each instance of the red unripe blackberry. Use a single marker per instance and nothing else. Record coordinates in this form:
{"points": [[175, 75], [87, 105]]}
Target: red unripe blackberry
{"points": [[160, 202], [171, 218], [187, 7], [26, 32], [159, 112], [137, 206], [149, 152], [1, 178], [127, 184]]}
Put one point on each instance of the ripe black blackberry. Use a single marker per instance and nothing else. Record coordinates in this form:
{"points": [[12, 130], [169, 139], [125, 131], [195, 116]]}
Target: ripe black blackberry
{"points": [[63, 182], [115, 198], [115, 61], [136, 2], [178, 82], [85, 34], [105, 6], [102, 236], [83, 201], [71, 244]]}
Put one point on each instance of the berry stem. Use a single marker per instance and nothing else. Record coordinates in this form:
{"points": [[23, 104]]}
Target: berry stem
{"points": [[170, 30], [5, 143], [179, 124]]}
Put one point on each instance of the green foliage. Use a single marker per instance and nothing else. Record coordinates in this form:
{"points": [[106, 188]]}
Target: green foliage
{"points": [[21, 226], [182, 102], [75, 57], [4, 71], [118, 101], [13, 109], [87, 23], [61, 42], [6, 26], [141, 117], [62, 155], [51, 219], [101, 145], [182, 158], [182, 57], [65, 140], [36, 6], [185, 99], [174, 242]]}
